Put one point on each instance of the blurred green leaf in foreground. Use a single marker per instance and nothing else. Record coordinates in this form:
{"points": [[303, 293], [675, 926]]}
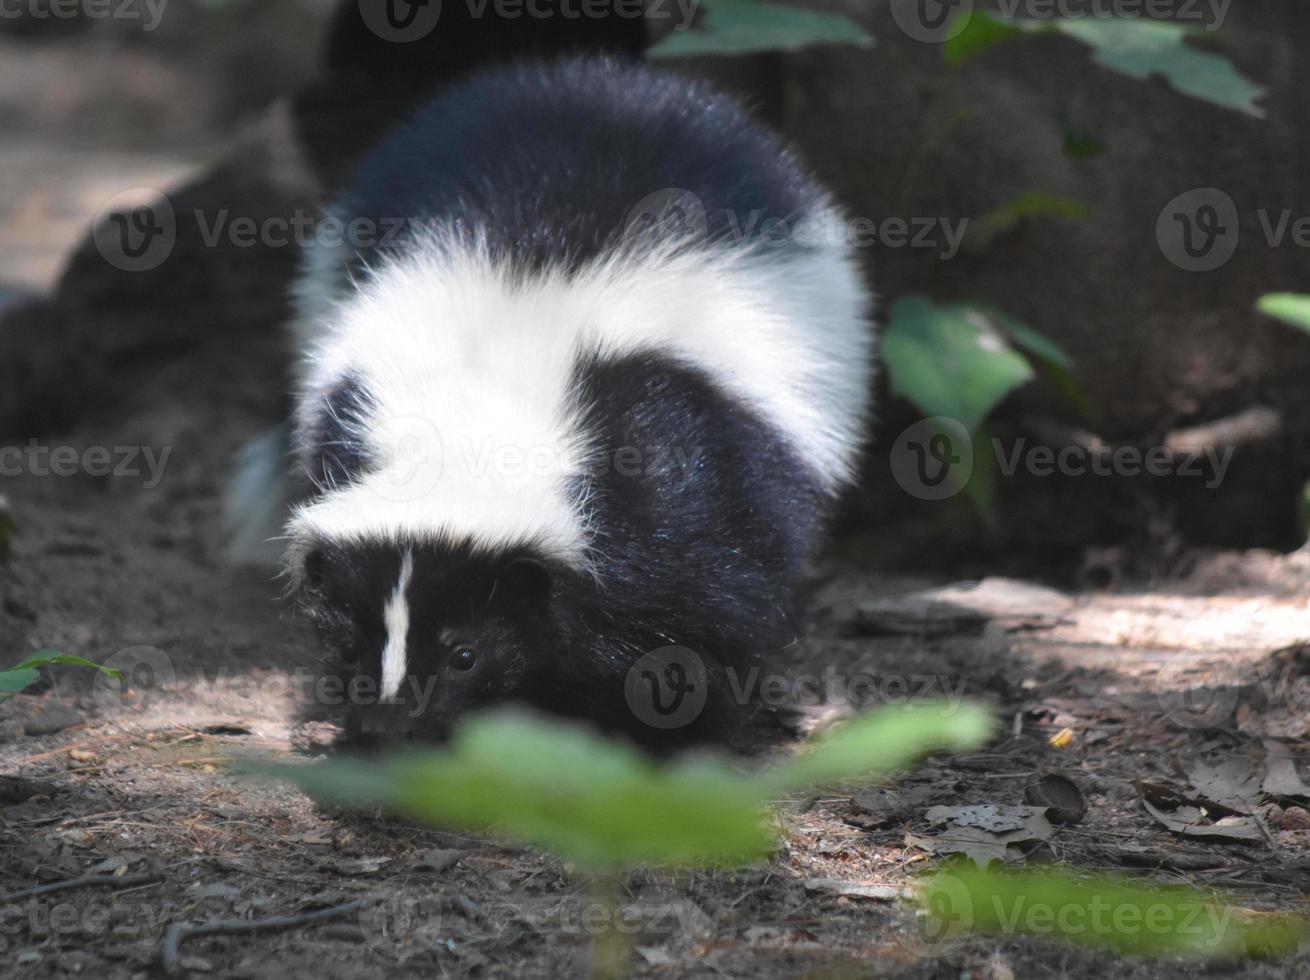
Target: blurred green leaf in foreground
{"points": [[602, 805], [1100, 911]]}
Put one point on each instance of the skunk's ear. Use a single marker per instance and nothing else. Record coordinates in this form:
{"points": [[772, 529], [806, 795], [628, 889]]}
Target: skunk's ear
{"points": [[524, 582]]}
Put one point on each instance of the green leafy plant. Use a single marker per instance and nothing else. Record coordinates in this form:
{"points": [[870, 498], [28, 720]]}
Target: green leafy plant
{"points": [[605, 807], [1101, 911], [959, 361], [732, 27], [1136, 47], [16, 679]]}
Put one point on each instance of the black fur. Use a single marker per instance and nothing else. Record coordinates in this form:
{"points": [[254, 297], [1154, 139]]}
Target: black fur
{"points": [[548, 161], [330, 449]]}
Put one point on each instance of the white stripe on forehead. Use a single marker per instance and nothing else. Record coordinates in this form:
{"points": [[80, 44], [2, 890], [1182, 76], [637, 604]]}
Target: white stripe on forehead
{"points": [[396, 616]]}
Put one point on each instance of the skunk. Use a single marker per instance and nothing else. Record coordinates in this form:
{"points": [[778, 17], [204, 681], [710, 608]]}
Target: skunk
{"points": [[587, 393]]}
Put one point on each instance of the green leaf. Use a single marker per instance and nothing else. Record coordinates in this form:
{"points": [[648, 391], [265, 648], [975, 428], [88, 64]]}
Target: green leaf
{"points": [[1291, 308], [591, 801], [602, 805], [950, 360], [15, 680], [981, 30], [22, 675], [999, 220], [980, 488], [1103, 912], [1041, 347], [1140, 48], [885, 740], [744, 26]]}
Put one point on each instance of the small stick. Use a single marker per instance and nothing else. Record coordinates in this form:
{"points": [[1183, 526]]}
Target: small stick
{"points": [[90, 881], [178, 933]]}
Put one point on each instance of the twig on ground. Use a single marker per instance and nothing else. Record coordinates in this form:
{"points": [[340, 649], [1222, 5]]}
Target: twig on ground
{"points": [[90, 881], [178, 933]]}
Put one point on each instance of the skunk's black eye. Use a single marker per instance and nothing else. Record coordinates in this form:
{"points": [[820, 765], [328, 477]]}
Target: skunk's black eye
{"points": [[464, 659]]}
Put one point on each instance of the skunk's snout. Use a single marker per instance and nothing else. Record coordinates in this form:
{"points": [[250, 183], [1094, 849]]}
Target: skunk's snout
{"points": [[377, 728]]}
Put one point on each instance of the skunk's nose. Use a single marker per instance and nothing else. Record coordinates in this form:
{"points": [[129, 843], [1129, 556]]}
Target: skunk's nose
{"points": [[376, 730]]}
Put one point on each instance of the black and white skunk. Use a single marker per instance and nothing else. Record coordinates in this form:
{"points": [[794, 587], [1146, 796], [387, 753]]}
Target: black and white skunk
{"points": [[596, 397]]}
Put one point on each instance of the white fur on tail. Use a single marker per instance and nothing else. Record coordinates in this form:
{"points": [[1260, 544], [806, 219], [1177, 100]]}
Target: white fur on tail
{"points": [[469, 365]]}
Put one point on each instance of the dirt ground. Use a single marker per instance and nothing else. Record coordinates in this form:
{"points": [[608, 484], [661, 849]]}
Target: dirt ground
{"points": [[136, 781], [1182, 694]]}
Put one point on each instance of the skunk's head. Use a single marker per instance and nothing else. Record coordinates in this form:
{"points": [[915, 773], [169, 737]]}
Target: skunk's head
{"points": [[417, 635]]}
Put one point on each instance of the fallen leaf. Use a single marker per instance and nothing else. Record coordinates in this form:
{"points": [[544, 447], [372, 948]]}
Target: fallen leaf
{"points": [[1233, 784], [984, 833], [991, 817], [1281, 778], [1059, 796], [979, 846], [1191, 821]]}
